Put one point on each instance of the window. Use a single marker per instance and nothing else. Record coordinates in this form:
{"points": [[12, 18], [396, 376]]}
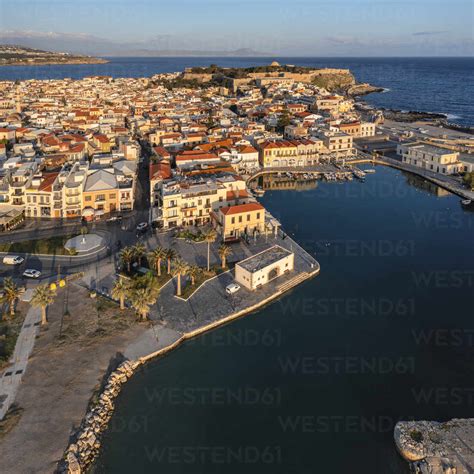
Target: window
{"points": [[258, 215], [88, 198], [112, 196], [100, 197], [248, 217], [232, 220], [240, 219]]}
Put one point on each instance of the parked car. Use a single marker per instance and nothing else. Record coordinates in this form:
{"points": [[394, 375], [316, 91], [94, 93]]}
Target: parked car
{"points": [[115, 219], [142, 226], [232, 288], [29, 273], [13, 260]]}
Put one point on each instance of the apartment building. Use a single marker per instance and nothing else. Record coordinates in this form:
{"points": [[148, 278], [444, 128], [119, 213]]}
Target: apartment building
{"points": [[338, 143], [357, 129], [233, 222], [39, 196], [430, 157], [191, 202], [284, 153]]}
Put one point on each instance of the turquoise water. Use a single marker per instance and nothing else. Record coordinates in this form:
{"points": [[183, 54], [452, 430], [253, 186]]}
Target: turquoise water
{"points": [[316, 381], [443, 85]]}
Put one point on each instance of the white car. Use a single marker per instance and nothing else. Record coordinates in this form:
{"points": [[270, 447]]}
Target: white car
{"points": [[142, 226], [29, 273], [13, 260], [232, 288]]}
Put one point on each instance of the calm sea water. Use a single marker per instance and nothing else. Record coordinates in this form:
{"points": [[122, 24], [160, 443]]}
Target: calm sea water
{"points": [[316, 381], [444, 85]]}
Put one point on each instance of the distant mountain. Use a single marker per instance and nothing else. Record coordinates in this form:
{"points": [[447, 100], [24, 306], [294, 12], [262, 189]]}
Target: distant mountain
{"points": [[15, 55], [188, 53], [92, 45]]}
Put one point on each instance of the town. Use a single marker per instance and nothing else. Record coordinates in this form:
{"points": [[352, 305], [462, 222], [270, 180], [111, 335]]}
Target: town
{"points": [[144, 193]]}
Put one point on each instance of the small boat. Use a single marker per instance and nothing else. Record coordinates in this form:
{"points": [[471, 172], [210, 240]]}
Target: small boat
{"points": [[370, 170], [259, 191], [466, 202]]}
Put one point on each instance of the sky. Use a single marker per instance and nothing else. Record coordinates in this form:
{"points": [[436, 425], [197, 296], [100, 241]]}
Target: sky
{"points": [[291, 27]]}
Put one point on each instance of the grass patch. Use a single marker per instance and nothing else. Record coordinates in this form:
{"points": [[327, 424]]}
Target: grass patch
{"points": [[9, 331], [10, 420], [188, 235], [416, 436], [189, 289], [53, 246]]}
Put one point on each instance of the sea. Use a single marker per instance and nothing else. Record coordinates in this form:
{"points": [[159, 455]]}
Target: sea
{"points": [[440, 85], [316, 381]]}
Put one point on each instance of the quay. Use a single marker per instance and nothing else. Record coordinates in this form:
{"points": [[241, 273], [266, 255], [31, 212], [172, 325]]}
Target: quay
{"points": [[176, 320]]}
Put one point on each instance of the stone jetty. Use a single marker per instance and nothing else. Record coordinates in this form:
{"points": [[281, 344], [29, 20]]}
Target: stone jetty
{"points": [[437, 448], [85, 444]]}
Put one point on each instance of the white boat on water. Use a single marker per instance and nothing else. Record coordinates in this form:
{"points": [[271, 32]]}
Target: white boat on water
{"points": [[466, 202], [259, 191], [370, 170]]}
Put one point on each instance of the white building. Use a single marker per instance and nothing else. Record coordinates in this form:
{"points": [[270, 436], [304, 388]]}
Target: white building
{"points": [[264, 267]]}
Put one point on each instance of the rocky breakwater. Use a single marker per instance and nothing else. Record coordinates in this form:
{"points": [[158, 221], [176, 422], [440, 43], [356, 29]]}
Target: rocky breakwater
{"points": [[361, 89], [85, 444], [437, 448]]}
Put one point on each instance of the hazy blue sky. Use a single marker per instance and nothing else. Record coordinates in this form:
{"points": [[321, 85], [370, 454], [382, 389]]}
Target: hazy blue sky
{"points": [[306, 27]]}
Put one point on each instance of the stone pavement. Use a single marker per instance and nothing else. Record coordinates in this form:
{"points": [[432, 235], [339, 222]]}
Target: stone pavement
{"points": [[12, 375]]}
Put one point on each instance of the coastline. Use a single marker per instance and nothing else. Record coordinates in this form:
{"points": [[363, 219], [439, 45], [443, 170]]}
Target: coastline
{"points": [[57, 63], [85, 445]]}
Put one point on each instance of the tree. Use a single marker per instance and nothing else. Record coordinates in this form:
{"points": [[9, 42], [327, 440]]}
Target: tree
{"points": [[144, 292], [469, 179], [120, 291], [155, 258], [209, 237], [170, 256], [180, 268], [193, 272], [224, 251], [283, 121], [127, 255], [139, 251], [11, 292], [42, 297]]}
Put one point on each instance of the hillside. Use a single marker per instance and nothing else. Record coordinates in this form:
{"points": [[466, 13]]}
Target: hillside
{"points": [[11, 55]]}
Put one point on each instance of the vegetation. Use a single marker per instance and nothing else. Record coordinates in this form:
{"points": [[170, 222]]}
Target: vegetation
{"points": [[210, 236], [416, 436], [188, 235], [469, 179], [170, 256], [224, 251], [11, 293], [9, 331], [155, 258], [180, 268], [53, 246], [283, 121], [43, 296], [143, 293], [126, 257], [120, 291]]}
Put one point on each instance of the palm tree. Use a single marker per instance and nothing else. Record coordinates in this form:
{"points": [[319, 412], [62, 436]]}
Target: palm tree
{"points": [[144, 293], [126, 257], [155, 257], [43, 296], [180, 268], [11, 292], [209, 237], [141, 300], [170, 256], [224, 251], [120, 291], [193, 272], [139, 251]]}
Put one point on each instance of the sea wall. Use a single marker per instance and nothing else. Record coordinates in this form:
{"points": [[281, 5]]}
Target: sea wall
{"points": [[85, 444]]}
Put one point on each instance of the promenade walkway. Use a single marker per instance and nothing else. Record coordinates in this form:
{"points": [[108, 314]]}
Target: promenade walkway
{"points": [[11, 378]]}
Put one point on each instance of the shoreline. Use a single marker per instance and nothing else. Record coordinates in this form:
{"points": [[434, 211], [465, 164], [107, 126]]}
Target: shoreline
{"points": [[85, 446]]}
